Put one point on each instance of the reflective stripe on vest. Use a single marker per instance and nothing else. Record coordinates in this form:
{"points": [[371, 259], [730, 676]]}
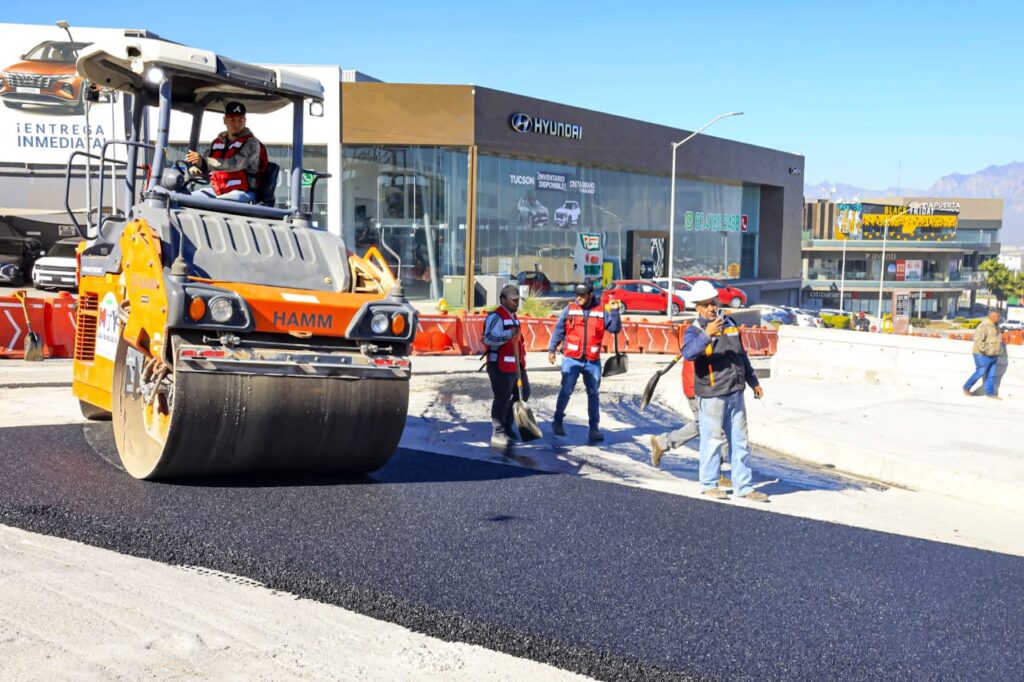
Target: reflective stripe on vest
{"points": [[227, 181], [505, 355], [584, 332]]}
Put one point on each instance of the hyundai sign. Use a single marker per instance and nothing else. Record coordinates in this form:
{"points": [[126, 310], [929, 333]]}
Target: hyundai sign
{"points": [[524, 123]]}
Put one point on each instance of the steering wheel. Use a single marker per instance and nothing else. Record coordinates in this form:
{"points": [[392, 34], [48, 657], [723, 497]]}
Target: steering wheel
{"points": [[191, 179]]}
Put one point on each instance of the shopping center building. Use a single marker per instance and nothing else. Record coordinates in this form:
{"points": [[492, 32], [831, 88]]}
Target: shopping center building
{"points": [[931, 248], [460, 181]]}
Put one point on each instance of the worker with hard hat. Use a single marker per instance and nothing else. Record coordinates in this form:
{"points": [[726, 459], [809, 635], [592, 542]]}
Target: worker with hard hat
{"points": [[579, 331], [505, 350], [721, 372]]}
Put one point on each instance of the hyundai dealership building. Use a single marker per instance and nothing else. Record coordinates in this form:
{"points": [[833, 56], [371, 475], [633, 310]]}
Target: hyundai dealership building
{"points": [[460, 181]]}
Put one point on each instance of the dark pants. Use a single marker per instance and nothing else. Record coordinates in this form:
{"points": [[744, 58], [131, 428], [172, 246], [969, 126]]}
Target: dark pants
{"points": [[503, 386], [984, 368]]}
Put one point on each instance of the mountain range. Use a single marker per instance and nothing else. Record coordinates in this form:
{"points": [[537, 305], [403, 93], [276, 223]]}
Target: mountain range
{"points": [[995, 182]]}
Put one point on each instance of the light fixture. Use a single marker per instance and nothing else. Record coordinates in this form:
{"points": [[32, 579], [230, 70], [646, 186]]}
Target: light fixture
{"points": [[155, 75]]}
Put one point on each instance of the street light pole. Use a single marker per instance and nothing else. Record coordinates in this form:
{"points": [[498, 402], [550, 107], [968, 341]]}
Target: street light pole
{"points": [[672, 207], [881, 274]]}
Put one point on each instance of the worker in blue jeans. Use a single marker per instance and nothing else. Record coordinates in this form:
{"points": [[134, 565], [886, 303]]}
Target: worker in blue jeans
{"points": [[580, 330], [988, 346]]}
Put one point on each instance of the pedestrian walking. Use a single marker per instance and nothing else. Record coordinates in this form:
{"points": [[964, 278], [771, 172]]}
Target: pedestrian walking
{"points": [[988, 346], [579, 331], [688, 431], [721, 371], [504, 345]]}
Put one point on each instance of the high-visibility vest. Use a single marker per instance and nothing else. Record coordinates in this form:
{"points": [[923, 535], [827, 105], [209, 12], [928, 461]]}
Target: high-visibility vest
{"points": [[228, 181], [688, 379], [505, 355], [584, 331]]}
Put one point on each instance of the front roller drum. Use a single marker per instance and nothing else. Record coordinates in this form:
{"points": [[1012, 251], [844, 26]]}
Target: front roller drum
{"points": [[211, 424]]}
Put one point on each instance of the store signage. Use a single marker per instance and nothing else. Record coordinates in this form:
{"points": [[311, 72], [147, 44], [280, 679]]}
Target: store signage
{"points": [[933, 207], [524, 123], [551, 181], [698, 221], [557, 182]]}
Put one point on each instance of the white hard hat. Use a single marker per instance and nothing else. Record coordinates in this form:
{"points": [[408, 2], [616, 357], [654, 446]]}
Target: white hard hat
{"points": [[701, 291]]}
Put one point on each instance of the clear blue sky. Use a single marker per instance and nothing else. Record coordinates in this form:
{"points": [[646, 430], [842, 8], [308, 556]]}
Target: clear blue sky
{"points": [[856, 87]]}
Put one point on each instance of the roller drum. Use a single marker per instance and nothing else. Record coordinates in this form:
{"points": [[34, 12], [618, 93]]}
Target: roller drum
{"points": [[219, 424]]}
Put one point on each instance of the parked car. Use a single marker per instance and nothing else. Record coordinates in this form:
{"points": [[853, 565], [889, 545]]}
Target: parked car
{"points": [[45, 76], [56, 270], [568, 214], [680, 285], [834, 311], [1011, 326], [805, 318], [638, 295], [536, 280], [532, 213], [17, 256], [727, 294], [774, 313]]}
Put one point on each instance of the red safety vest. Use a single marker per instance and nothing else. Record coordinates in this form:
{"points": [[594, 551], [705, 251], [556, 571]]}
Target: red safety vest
{"points": [[688, 379], [584, 331], [505, 355], [228, 181]]}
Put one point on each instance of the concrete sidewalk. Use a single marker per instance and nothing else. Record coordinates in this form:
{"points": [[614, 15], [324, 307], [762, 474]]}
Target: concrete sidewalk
{"points": [[968, 448]]}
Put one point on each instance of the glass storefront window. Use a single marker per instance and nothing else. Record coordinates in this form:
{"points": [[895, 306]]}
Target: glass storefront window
{"points": [[411, 203]]}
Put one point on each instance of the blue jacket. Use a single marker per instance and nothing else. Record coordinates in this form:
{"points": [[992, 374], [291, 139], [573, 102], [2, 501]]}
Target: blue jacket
{"points": [[720, 364]]}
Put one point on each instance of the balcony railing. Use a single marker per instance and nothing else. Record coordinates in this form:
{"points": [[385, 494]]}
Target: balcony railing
{"points": [[852, 283]]}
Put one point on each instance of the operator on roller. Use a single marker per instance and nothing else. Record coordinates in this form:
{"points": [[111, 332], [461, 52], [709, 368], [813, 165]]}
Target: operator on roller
{"points": [[235, 162], [580, 330]]}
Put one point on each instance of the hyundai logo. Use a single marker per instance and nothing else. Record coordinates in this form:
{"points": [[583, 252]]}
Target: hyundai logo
{"points": [[521, 123]]}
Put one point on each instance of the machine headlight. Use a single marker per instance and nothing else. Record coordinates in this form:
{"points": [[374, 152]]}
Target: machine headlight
{"points": [[221, 309], [379, 323]]}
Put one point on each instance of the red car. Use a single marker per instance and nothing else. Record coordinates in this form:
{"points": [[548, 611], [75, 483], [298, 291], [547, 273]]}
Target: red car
{"points": [[638, 295], [727, 295]]}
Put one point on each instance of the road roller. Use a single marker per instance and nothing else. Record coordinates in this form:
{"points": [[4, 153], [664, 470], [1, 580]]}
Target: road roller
{"points": [[225, 337]]}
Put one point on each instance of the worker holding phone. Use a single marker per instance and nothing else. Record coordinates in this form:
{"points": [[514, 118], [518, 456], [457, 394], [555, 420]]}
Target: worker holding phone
{"points": [[722, 371]]}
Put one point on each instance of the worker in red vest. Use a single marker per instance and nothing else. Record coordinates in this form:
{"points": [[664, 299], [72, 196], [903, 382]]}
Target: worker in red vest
{"points": [[580, 330], [688, 431], [505, 344], [235, 162]]}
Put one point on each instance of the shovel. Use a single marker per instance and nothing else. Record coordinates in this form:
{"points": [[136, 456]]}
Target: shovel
{"points": [[616, 364], [652, 383], [521, 412], [33, 346]]}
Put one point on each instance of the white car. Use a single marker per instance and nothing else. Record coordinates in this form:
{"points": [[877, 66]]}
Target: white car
{"points": [[805, 318], [1011, 325], [568, 214], [56, 269]]}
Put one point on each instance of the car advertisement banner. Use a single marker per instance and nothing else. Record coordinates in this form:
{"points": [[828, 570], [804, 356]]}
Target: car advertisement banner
{"points": [[43, 112], [42, 117], [913, 270]]}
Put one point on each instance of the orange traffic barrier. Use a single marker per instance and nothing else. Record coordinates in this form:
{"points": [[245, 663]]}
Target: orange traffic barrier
{"points": [[60, 326], [657, 337], [627, 340], [772, 336], [13, 328], [537, 332], [437, 335], [471, 333]]}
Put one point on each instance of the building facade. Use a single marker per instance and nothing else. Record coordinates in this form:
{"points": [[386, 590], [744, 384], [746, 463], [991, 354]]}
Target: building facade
{"points": [[929, 247], [455, 180]]}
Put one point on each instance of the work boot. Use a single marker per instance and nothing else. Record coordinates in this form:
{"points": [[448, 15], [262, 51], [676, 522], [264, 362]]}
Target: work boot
{"points": [[715, 494], [596, 436], [500, 442], [754, 496], [724, 481], [656, 452], [557, 428]]}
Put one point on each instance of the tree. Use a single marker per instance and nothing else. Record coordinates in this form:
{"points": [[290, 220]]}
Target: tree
{"points": [[1001, 282]]}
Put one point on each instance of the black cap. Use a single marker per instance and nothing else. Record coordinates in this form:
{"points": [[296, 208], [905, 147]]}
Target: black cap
{"points": [[584, 288], [234, 109]]}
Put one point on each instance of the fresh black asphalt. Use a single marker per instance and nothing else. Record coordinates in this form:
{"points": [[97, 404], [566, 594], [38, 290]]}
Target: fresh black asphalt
{"points": [[603, 579]]}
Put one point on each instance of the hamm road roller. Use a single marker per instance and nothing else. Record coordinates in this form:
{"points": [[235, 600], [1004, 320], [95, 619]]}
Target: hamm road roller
{"points": [[225, 337]]}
